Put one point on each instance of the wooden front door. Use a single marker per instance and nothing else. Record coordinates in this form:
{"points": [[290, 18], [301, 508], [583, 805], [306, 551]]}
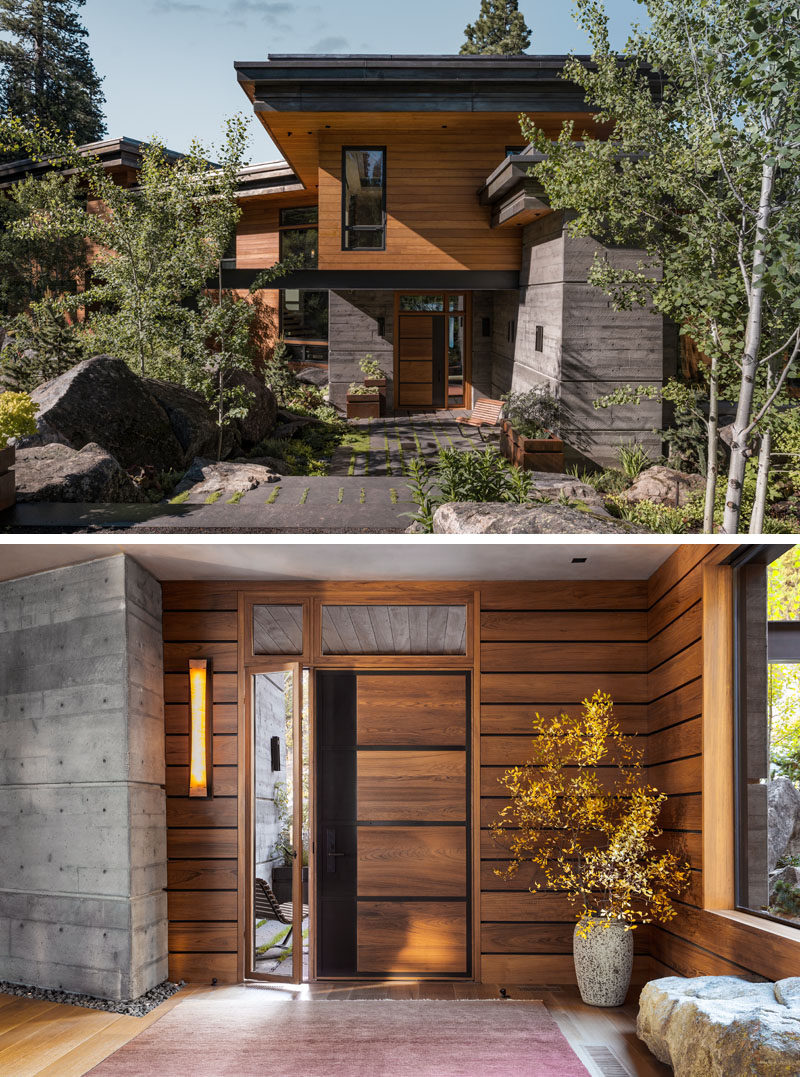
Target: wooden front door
{"points": [[421, 354], [393, 833]]}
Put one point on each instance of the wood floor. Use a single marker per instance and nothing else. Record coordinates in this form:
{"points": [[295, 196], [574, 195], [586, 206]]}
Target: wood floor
{"points": [[41, 1039]]}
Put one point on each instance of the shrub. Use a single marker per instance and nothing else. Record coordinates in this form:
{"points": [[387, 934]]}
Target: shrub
{"points": [[277, 375], [785, 899], [610, 481], [370, 369], [662, 519], [17, 416], [534, 414], [633, 459], [43, 345], [464, 476]]}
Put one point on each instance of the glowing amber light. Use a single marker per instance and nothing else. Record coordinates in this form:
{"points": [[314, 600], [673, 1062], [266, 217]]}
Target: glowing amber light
{"points": [[199, 735]]}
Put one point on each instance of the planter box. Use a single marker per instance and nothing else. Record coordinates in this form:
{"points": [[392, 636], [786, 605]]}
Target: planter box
{"points": [[282, 883], [363, 406], [380, 385], [8, 493], [531, 454]]}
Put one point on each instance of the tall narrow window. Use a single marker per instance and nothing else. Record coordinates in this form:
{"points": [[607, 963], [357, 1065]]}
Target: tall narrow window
{"points": [[363, 198], [768, 733]]}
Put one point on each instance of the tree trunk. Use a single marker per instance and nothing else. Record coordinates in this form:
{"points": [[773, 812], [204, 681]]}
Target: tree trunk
{"points": [[760, 503], [712, 451], [752, 343], [38, 57]]}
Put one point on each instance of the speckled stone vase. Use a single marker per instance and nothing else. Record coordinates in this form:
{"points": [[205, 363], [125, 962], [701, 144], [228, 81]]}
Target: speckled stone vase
{"points": [[603, 963]]}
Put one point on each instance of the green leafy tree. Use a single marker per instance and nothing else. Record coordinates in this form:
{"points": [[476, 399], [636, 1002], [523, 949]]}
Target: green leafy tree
{"points": [[46, 71], [703, 175], [499, 29], [156, 246]]}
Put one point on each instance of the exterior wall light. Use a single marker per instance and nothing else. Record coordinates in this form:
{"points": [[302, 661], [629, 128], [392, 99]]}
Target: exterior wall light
{"points": [[200, 731]]}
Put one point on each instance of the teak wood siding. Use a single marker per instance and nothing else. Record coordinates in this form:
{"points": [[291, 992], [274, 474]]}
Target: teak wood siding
{"points": [[434, 218], [651, 643]]}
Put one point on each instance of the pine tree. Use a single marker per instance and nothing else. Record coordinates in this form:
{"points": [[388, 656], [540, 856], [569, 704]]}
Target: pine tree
{"points": [[46, 71], [498, 30]]}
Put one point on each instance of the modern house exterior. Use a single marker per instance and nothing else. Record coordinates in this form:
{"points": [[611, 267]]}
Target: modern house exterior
{"points": [[409, 700], [404, 188]]}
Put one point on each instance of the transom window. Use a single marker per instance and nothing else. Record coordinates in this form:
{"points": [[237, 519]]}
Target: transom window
{"points": [[363, 198]]}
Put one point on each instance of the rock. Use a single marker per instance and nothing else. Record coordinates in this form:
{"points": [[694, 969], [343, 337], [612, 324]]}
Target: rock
{"points": [[274, 463], [314, 375], [783, 820], [208, 480], [102, 401], [664, 486], [191, 420], [58, 473], [789, 875], [557, 484], [498, 518], [135, 1007], [718, 1026], [259, 421]]}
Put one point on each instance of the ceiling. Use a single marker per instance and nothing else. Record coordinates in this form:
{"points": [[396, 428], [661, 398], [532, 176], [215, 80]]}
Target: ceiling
{"points": [[374, 558]]}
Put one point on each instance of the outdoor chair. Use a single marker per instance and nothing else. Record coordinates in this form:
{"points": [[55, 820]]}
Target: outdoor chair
{"points": [[485, 413], [267, 907]]}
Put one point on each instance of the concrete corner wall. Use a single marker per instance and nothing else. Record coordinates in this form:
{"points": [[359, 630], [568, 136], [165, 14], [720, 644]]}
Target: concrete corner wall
{"points": [[82, 808], [353, 333], [589, 349]]}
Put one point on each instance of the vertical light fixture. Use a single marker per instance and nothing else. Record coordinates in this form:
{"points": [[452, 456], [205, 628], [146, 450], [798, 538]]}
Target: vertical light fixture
{"points": [[200, 732]]}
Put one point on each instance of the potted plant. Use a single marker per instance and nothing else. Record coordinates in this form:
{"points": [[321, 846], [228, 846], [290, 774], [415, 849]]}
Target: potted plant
{"points": [[529, 431], [581, 813], [17, 412], [363, 401], [374, 378]]}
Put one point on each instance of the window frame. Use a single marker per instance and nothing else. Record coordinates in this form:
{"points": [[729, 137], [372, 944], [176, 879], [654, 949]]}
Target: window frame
{"points": [[283, 228], [345, 229], [762, 554]]}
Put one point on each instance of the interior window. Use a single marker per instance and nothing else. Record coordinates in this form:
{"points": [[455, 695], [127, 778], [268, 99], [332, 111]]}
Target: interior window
{"points": [[768, 733], [363, 198]]}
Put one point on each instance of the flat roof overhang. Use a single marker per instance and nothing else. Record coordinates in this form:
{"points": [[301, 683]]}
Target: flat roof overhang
{"points": [[515, 197], [394, 280]]}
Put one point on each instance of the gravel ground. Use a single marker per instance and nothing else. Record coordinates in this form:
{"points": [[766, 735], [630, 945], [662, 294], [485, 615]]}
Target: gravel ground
{"points": [[135, 1007]]}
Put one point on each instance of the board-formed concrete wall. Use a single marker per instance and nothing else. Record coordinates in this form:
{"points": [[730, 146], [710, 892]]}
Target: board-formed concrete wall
{"points": [[269, 721], [82, 808], [353, 332], [588, 348]]}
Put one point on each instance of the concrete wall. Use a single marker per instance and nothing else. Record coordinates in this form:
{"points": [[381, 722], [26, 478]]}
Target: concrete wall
{"points": [[82, 808], [353, 333], [589, 349], [270, 721]]}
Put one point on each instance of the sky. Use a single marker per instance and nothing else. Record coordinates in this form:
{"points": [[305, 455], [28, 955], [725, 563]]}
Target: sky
{"points": [[168, 64]]}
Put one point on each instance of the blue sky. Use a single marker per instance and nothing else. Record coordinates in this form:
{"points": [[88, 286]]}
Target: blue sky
{"points": [[168, 64]]}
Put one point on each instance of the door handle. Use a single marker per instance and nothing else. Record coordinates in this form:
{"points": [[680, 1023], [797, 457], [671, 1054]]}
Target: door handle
{"points": [[330, 849]]}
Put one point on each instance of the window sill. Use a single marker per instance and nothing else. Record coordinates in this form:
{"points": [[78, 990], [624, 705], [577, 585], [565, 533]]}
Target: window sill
{"points": [[769, 927]]}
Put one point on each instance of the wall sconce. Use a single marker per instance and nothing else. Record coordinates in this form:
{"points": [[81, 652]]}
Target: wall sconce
{"points": [[200, 731]]}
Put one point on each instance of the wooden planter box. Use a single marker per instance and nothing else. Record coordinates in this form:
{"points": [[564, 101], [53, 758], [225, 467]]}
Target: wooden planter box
{"points": [[531, 454], [8, 492], [363, 405], [380, 385]]}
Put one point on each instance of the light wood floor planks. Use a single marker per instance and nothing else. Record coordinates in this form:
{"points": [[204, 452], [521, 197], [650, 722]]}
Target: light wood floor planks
{"points": [[42, 1039]]}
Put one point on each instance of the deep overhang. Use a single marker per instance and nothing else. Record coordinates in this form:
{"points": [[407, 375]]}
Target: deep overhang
{"points": [[111, 152], [515, 196]]}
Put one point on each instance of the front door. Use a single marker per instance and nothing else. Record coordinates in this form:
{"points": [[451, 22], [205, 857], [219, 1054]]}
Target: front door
{"points": [[393, 834], [431, 350]]}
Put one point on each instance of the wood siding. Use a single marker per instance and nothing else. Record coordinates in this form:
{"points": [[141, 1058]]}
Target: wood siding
{"points": [[202, 835], [434, 218]]}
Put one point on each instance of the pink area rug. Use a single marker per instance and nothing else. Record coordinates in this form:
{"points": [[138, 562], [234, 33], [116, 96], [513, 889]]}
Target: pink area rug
{"points": [[214, 1038]]}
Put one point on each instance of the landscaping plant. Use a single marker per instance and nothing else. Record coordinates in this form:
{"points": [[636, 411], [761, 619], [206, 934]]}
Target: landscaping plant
{"points": [[582, 814], [702, 172], [370, 369], [17, 416], [633, 459], [535, 413]]}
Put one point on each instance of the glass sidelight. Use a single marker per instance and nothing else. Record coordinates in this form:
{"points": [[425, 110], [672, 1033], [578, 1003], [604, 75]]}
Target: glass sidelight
{"points": [[278, 918]]}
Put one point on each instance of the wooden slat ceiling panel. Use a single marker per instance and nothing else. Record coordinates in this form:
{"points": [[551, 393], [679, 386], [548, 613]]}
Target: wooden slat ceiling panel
{"points": [[394, 630], [277, 629]]}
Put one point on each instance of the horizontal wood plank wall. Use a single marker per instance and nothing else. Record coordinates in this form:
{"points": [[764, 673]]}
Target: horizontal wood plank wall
{"points": [[202, 835], [545, 647], [434, 218], [697, 942]]}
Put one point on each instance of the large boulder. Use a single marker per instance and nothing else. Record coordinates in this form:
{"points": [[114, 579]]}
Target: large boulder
{"points": [[259, 422], [102, 401], [208, 481], [192, 420], [783, 820], [664, 486], [498, 518], [721, 1026], [57, 472]]}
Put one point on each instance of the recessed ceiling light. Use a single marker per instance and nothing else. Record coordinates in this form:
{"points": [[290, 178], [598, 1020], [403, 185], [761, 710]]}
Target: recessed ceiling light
{"points": [[579, 560]]}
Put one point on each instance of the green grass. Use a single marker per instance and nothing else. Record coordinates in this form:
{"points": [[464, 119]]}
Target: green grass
{"points": [[273, 497], [357, 439], [388, 451], [179, 498], [237, 497], [363, 496], [279, 937], [393, 495], [304, 495], [340, 498], [212, 497]]}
